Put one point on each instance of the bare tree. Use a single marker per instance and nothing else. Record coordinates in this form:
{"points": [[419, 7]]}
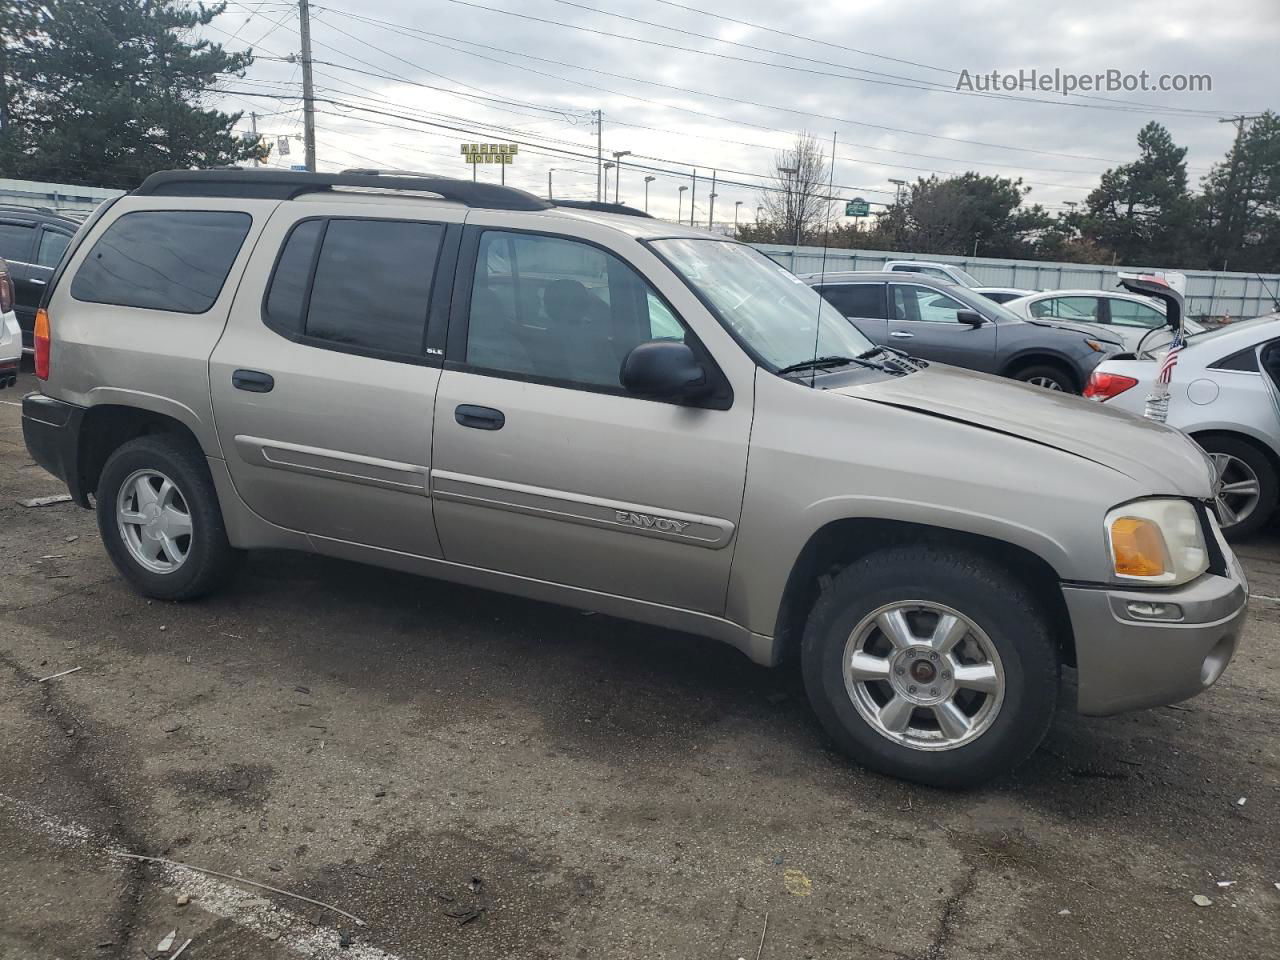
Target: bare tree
{"points": [[796, 205]]}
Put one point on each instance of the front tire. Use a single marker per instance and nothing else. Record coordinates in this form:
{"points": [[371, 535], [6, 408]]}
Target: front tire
{"points": [[1047, 378], [1247, 487], [931, 664], [159, 518]]}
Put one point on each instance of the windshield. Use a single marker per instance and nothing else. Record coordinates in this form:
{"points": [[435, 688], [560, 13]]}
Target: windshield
{"points": [[771, 310]]}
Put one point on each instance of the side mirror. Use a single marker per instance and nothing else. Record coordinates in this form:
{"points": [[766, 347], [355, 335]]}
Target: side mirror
{"points": [[972, 317], [665, 370]]}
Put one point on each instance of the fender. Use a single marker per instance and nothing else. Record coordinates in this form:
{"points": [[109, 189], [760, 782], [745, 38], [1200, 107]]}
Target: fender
{"points": [[201, 429]]}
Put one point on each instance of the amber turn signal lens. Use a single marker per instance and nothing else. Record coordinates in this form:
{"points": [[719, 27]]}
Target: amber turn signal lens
{"points": [[40, 340], [1138, 547]]}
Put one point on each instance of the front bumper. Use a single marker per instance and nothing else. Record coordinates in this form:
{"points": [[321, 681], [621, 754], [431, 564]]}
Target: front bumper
{"points": [[1126, 662], [51, 429]]}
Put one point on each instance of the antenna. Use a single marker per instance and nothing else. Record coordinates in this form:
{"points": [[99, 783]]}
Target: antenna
{"points": [[826, 236]]}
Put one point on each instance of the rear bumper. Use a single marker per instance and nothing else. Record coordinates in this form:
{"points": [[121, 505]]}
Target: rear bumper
{"points": [[51, 429], [1126, 662]]}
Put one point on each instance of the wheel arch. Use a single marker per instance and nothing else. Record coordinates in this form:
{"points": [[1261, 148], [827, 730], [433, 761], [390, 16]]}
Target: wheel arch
{"points": [[1232, 432], [107, 426], [840, 542]]}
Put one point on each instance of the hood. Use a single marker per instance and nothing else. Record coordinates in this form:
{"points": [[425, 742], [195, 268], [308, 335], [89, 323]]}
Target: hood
{"points": [[1160, 458], [1092, 331]]}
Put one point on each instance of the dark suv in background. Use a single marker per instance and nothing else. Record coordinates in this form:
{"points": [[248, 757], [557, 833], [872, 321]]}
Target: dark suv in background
{"points": [[32, 240], [930, 318]]}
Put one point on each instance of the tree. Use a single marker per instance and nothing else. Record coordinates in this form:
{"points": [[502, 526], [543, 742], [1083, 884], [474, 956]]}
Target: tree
{"points": [[105, 92], [1241, 201], [1142, 211], [960, 214], [796, 207]]}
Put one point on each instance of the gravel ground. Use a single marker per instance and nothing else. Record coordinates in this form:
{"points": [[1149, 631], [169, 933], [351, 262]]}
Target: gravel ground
{"points": [[480, 776]]}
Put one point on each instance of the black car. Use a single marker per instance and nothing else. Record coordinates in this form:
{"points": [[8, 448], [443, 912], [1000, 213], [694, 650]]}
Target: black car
{"points": [[33, 240], [936, 320]]}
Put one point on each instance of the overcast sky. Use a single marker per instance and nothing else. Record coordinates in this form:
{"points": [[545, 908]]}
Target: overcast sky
{"points": [[854, 68]]}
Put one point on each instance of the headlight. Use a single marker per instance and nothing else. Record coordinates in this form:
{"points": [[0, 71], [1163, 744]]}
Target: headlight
{"points": [[1157, 542]]}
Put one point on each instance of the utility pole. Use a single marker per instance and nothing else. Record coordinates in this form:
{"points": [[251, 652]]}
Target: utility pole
{"points": [[680, 205], [308, 88], [647, 181], [599, 152], [550, 170], [693, 197], [736, 205], [711, 209], [253, 126]]}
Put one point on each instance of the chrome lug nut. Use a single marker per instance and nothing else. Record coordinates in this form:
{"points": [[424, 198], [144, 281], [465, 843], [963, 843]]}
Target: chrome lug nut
{"points": [[933, 691], [946, 674], [911, 689], [933, 656], [900, 670]]}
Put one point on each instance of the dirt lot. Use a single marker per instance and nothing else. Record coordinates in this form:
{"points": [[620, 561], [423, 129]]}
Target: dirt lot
{"points": [[478, 776]]}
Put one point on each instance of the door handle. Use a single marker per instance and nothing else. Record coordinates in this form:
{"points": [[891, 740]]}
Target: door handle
{"points": [[901, 335], [253, 381], [481, 418], [37, 281]]}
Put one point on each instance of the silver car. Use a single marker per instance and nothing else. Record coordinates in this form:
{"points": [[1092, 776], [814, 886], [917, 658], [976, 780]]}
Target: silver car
{"points": [[612, 412], [1225, 394], [1133, 320]]}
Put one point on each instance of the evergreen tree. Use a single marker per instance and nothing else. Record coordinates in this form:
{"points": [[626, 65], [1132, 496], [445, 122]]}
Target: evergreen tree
{"points": [[105, 92], [1241, 202]]}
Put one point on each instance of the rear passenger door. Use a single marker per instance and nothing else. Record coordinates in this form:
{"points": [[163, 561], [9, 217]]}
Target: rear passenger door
{"points": [[862, 304], [324, 381]]}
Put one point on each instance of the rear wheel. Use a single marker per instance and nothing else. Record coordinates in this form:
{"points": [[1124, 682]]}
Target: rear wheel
{"points": [[1246, 489], [160, 521], [931, 664], [1048, 377]]}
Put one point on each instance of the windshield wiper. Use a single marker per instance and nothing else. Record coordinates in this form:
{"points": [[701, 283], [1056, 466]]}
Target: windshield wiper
{"points": [[817, 363], [896, 360]]}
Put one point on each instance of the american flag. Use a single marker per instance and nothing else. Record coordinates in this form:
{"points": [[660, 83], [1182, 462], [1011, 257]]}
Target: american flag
{"points": [[1170, 359]]}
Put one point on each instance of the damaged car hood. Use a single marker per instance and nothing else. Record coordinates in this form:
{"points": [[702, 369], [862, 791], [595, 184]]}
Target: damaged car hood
{"points": [[1159, 457]]}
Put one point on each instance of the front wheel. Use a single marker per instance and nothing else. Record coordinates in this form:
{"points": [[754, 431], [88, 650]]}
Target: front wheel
{"points": [[1246, 489], [931, 664], [1048, 378]]}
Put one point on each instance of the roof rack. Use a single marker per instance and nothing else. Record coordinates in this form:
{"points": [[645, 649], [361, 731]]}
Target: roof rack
{"points": [[602, 207], [288, 184]]}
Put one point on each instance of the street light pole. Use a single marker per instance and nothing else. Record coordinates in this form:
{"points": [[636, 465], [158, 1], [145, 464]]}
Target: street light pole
{"points": [[647, 181], [680, 205], [608, 165], [617, 181], [792, 205], [737, 204], [550, 170]]}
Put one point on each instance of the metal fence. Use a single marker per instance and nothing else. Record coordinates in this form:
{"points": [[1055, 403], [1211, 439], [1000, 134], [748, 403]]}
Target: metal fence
{"points": [[1208, 294]]}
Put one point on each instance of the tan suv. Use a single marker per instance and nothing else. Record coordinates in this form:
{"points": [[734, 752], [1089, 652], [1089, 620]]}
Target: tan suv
{"points": [[587, 406]]}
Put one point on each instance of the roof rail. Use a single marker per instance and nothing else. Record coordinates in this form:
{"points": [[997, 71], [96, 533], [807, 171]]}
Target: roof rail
{"points": [[602, 207], [288, 184]]}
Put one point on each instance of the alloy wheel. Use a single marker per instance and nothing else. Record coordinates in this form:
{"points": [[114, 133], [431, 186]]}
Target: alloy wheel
{"points": [[1236, 489], [924, 675], [1047, 383], [154, 521]]}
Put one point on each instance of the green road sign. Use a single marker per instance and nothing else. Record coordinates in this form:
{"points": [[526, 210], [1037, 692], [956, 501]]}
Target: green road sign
{"points": [[857, 207]]}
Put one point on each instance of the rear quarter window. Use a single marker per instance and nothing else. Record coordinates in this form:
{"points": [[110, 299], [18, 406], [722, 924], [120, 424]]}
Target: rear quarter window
{"points": [[174, 260]]}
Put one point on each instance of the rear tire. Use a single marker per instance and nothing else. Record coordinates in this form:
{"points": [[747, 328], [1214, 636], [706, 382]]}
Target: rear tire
{"points": [[1235, 461], [159, 518], [969, 730], [1047, 377]]}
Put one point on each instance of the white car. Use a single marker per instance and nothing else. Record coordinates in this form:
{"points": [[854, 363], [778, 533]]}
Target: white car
{"points": [[10, 335], [1121, 316], [1003, 294], [1224, 393]]}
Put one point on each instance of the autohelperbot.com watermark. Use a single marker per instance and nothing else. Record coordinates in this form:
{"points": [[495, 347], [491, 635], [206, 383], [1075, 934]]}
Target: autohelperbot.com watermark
{"points": [[1032, 80]]}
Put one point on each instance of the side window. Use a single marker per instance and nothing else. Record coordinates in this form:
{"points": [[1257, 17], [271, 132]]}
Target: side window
{"points": [[175, 260], [926, 304], [862, 300], [1042, 308], [16, 240], [1245, 361], [1128, 313], [1085, 309], [53, 244], [559, 309], [362, 284]]}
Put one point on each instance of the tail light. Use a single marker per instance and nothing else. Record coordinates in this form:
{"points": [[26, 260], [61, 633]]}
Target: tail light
{"points": [[1104, 386], [6, 288], [41, 343]]}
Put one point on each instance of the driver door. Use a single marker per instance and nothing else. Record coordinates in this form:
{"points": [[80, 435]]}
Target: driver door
{"points": [[922, 321]]}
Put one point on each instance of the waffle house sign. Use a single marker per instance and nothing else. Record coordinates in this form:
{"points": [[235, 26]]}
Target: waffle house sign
{"points": [[489, 152]]}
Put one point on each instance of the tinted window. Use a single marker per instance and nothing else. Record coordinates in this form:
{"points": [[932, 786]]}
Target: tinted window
{"points": [[52, 246], [925, 303], [1128, 313], [1084, 309], [371, 288], [559, 309], [862, 300], [1245, 360], [15, 241], [173, 260]]}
